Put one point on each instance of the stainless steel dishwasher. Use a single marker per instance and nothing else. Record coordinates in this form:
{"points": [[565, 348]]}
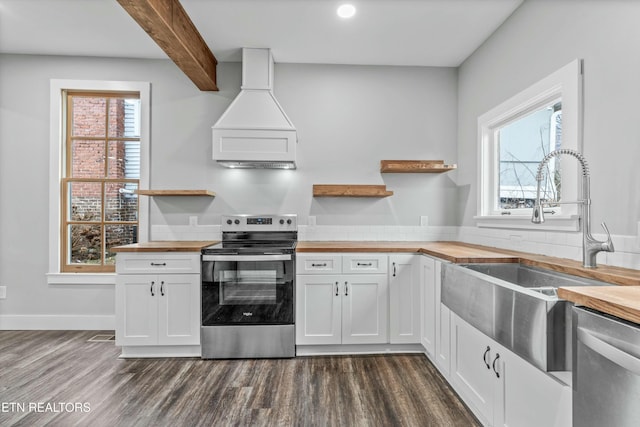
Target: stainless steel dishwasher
{"points": [[606, 370]]}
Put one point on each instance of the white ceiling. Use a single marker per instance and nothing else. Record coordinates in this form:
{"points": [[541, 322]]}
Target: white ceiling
{"points": [[383, 32]]}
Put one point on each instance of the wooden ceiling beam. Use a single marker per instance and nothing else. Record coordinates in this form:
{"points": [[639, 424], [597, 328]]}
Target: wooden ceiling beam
{"points": [[170, 27]]}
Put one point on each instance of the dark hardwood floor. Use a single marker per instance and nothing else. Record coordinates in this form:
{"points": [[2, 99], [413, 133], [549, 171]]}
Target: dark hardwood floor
{"points": [[58, 378]]}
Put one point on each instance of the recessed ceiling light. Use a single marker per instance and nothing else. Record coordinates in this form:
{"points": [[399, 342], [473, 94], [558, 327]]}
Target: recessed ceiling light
{"points": [[346, 11]]}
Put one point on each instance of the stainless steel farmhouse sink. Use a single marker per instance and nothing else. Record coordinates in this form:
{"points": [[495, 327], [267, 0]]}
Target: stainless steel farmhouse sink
{"points": [[536, 279], [516, 305]]}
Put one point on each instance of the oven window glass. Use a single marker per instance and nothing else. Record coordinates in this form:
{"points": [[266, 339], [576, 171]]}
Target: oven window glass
{"points": [[248, 286], [247, 292]]}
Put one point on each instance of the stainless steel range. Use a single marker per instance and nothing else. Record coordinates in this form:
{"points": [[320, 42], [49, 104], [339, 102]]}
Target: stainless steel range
{"points": [[248, 283]]}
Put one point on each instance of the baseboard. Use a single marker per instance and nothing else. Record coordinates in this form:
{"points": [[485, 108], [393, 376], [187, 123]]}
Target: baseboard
{"points": [[159, 351], [350, 349], [57, 322]]}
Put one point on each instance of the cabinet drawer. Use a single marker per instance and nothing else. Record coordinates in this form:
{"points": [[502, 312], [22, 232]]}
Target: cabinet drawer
{"points": [[165, 262], [318, 264], [364, 263]]}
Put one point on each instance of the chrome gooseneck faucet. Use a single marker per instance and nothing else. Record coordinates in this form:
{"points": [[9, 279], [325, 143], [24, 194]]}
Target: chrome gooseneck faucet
{"points": [[590, 246]]}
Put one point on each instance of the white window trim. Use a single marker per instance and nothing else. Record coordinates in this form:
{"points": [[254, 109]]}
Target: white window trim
{"points": [[566, 83], [56, 147]]}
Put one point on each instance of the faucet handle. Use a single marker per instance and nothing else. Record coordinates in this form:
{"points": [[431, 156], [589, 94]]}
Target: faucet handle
{"points": [[538, 214], [608, 245]]}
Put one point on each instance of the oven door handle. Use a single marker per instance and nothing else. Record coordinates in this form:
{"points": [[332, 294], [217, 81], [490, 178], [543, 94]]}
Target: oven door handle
{"points": [[279, 257]]}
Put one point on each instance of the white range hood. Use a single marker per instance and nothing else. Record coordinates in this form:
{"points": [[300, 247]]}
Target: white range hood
{"points": [[254, 131]]}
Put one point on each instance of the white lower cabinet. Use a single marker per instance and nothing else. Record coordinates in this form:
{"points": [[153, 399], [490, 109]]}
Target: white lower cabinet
{"points": [[365, 304], [318, 309], [341, 309], [531, 397], [501, 388], [158, 309], [155, 306], [404, 299], [349, 307], [471, 369], [435, 315], [372, 298], [428, 305], [443, 327]]}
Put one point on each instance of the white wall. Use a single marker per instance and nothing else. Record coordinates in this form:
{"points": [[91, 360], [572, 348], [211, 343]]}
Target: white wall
{"points": [[348, 118], [540, 37], [24, 175]]}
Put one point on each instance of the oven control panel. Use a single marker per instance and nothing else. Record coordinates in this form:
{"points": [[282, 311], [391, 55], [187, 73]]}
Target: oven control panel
{"points": [[259, 221], [288, 222]]}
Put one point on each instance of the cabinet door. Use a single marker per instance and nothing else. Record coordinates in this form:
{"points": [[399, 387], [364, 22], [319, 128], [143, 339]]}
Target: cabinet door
{"points": [[404, 299], [137, 309], [528, 397], [179, 309], [428, 306], [471, 372], [365, 307], [318, 309], [443, 327]]}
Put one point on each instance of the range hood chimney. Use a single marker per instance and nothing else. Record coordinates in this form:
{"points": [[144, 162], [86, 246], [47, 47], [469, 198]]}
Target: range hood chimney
{"points": [[254, 131]]}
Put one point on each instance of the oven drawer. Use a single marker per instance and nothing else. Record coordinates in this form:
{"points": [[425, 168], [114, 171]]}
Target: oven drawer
{"points": [[364, 264], [318, 264], [163, 262]]}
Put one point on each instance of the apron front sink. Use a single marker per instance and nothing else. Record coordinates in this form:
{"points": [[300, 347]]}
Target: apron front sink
{"points": [[517, 306]]}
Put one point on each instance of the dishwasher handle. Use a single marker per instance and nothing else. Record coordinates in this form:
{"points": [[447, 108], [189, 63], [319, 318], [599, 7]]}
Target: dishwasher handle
{"points": [[598, 343]]}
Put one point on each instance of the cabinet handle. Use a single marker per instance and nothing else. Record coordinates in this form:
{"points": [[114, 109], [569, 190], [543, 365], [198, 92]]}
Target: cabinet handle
{"points": [[346, 289], [158, 264], [324, 264], [337, 290], [494, 365], [394, 269], [364, 264], [152, 284], [484, 357], [162, 288]]}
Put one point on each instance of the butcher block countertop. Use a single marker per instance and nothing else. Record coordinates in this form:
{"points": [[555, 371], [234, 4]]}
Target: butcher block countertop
{"points": [[458, 253], [621, 301], [461, 253], [165, 246]]}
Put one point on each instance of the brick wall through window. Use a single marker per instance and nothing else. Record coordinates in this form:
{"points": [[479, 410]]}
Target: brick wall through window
{"points": [[102, 172]]}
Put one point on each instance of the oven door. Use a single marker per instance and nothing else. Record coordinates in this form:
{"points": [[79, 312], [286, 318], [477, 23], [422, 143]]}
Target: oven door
{"points": [[247, 289]]}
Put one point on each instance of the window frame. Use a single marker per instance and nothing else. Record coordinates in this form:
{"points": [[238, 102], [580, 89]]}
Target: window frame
{"points": [[564, 85], [68, 179], [57, 156]]}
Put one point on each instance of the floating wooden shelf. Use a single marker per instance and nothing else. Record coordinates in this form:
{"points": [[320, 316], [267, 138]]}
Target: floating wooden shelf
{"points": [[414, 166], [351, 191], [206, 193]]}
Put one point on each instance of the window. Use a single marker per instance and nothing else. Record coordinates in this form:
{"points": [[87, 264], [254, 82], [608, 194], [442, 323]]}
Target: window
{"points": [[101, 176], [515, 136], [98, 159], [522, 144]]}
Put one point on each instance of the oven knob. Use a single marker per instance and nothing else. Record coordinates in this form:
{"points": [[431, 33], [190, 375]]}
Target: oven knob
{"points": [[282, 221], [229, 221], [237, 221], [289, 221]]}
